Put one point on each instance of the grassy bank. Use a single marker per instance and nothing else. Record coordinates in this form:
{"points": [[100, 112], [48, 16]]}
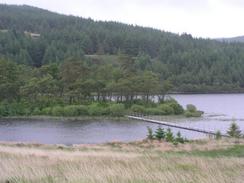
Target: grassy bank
{"points": [[199, 161]]}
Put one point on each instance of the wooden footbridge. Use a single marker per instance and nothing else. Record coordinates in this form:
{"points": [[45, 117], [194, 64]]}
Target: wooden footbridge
{"points": [[173, 125]]}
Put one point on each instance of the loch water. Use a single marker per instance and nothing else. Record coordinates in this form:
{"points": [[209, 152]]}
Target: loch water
{"points": [[220, 111]]}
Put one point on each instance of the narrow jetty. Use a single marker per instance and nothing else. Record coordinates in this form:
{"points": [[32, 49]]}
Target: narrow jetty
{"points": [[173, 125]]}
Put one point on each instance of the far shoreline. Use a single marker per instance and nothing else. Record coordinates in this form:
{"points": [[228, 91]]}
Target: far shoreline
{"points": [[205, 93], [62, 118], [89, 118]]}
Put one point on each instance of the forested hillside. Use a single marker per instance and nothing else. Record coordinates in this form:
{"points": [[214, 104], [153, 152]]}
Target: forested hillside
{"points": [[49, 54]]}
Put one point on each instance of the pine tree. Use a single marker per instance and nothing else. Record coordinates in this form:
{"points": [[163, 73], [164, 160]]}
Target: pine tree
{"points": [[218, 135], [179, 138], [160, 134], [234, 131], [150, 133], [169, 135]]}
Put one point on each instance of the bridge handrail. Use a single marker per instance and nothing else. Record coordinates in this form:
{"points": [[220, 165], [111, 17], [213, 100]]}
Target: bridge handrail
{"points": [[175, 125]]}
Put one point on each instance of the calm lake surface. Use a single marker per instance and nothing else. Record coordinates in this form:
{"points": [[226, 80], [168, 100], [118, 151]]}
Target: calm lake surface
{"points": [[220, 110]]}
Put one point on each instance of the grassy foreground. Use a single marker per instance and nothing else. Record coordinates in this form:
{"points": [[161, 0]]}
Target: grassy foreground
{"points": [[197, 162]]}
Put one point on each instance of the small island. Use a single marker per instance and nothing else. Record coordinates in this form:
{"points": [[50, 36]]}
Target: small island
{"points": [[66, 91]]}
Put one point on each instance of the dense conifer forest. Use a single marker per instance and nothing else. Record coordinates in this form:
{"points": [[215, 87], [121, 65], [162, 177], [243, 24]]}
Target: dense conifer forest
{"points": [[49, 58]]}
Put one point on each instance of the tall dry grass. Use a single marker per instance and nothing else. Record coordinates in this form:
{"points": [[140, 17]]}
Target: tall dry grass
{"points": [[38, 164]]}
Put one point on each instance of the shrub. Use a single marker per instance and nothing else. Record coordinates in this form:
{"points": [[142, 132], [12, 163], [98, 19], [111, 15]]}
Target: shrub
{"points": [[46, 111], [139, 102], [96, 110], [188, 114], [45, 101], [191, 108], [117, 110], [144, 103], [193, 114], [178, 109], [166, 109], [82, 110], [24, 111], [138, 109], [36, 111], [57, 111], [153, 111], [14, 109], [191, 111], [70, 111], [75, 110], [4, 110]]}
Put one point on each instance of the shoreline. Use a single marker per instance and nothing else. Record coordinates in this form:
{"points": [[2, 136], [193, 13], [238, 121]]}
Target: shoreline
{"points": [[197, 144], [199, 93], [91, 118], [61, 118]]}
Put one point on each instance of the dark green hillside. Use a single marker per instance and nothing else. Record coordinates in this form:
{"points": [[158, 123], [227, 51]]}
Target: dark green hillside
{"points": [[34, 37]]}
